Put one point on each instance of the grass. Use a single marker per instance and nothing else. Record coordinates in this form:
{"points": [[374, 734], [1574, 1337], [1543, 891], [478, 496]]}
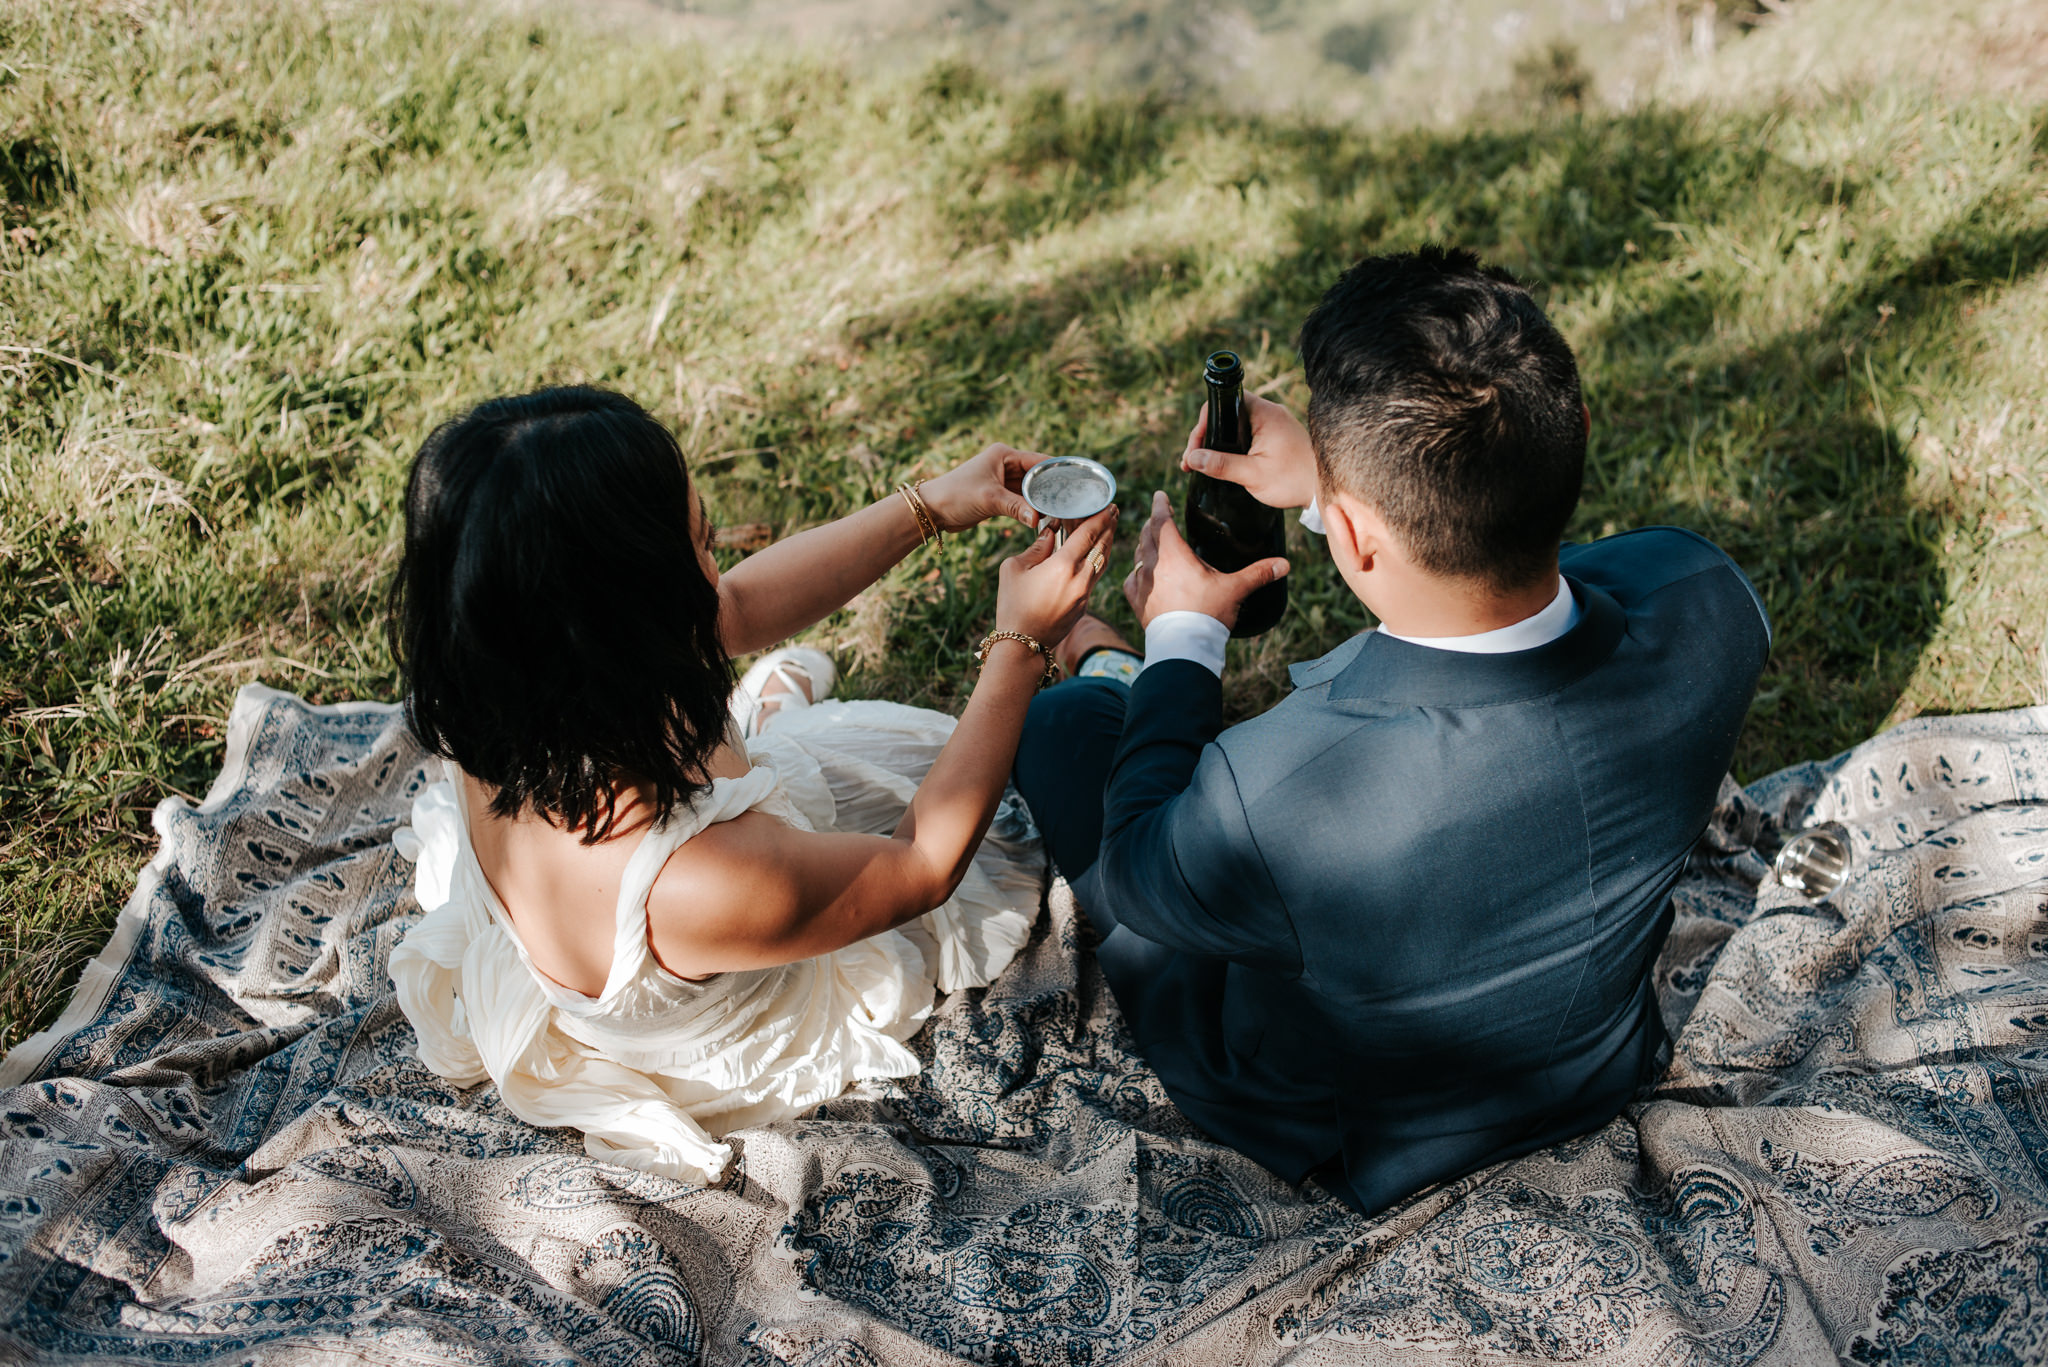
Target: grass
{"points": [[1382, 61], [251, 253]]}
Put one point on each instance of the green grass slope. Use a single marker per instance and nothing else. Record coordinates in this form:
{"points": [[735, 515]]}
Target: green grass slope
{"points": [[251, 252]]}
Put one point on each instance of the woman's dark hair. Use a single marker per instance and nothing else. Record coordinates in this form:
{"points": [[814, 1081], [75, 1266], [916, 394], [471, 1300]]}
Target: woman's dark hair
{"points": [[556, 631], [1441, 395]]}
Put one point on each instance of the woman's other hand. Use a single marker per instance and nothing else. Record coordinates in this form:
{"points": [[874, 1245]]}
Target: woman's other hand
{"points": [[1280, 469], [1043, 591], [986, 486]]}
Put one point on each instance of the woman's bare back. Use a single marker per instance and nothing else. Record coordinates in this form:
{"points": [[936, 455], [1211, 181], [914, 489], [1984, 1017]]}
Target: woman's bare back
{"points": [[562, 894]]}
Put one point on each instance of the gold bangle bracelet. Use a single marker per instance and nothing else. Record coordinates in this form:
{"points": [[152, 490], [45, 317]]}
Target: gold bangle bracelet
{"points": [[988, 642], [927, 526]]}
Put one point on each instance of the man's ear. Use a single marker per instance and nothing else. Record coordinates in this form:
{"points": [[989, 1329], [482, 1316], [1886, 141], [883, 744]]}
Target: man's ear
{"points": [[1354, 532]]}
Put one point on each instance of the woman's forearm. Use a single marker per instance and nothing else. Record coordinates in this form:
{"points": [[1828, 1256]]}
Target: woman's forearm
{"points": [[754, 891], [760, 892], [953, 806], [777, 592]]}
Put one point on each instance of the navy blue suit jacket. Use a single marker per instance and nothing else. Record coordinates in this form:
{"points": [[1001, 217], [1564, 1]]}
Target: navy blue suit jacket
{"points": [[1401, 926]]}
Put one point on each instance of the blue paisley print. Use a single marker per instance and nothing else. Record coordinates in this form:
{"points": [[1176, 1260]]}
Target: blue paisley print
{"points": [[226, 1150]]}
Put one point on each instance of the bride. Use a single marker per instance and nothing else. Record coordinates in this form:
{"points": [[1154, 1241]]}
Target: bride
{"points": [[659, 909]]}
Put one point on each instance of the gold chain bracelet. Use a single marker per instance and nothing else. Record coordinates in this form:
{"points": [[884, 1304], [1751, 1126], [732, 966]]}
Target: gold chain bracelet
{"points": [[1051, 666], [927, 525]]}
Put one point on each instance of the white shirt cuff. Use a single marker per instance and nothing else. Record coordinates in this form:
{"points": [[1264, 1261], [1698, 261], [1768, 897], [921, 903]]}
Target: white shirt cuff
{"points": [[1186, 636], [1312, 518]]}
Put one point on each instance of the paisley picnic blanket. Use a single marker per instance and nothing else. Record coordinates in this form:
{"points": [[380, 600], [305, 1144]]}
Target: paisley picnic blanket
{"points": [[225, 1150]]}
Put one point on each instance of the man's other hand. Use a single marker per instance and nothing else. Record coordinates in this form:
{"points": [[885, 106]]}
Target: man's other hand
{"points": [[1280, 469], [1170, 577]]}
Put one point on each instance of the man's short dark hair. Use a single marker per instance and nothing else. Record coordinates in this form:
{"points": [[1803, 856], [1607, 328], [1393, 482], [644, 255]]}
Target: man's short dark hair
{"points": [[557, 634], [1442, 397]]}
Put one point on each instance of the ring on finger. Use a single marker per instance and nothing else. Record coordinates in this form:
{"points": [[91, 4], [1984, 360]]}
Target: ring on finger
{"points": [[1096, 561]]}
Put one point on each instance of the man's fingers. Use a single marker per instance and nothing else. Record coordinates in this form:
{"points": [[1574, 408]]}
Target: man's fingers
{"points": [[1201, 432], [1261, 573], [1138, 587], [1216, 464], [1148, 538], [1165, 531]]}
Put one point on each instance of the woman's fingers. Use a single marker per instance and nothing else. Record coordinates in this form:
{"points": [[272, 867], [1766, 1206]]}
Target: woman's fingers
{"points": [[1090, 535], [1011, 465], [987, 485], [1038, 552], [1097, 558], [1016, 457], [1043, 590]]}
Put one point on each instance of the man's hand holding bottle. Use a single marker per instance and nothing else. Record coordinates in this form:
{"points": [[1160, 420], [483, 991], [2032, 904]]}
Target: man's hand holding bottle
{"points": [[1280, 469], [1170, 577]]}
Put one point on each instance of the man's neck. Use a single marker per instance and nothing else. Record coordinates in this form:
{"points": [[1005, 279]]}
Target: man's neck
{"points": [[1431, 606]]}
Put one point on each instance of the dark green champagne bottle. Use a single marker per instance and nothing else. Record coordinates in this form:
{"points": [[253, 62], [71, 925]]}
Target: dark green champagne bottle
{"points": [[1227, 527]]}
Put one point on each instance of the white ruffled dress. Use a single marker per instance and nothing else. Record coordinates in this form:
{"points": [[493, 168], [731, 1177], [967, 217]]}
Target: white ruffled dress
{"points": [[655, 1068]]}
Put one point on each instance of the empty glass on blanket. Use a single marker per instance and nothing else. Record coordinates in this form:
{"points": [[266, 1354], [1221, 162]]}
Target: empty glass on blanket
{"points": [[1069, 489], [1814, 862]]}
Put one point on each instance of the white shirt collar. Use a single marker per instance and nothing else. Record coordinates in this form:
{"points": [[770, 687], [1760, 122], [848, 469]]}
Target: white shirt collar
{"points": [[1540, 630]]}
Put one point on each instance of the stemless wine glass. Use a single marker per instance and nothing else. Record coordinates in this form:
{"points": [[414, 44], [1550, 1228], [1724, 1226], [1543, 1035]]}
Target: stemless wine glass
{"points": [[1814, 862], [1068, 489]]}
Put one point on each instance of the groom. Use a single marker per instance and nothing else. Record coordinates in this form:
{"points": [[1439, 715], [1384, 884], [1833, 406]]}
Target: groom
{"points": [[1401, 926]]}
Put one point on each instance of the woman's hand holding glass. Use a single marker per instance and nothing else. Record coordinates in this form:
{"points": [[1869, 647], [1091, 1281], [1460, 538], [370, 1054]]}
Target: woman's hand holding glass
{"points": [[1042, 591], [802, 579], [981, 488]]}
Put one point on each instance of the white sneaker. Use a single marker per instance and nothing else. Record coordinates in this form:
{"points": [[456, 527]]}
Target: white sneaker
{"points": [[806, 673]]}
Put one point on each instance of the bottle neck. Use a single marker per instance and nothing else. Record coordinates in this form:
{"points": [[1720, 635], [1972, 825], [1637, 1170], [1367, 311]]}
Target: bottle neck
{"points": [[1227, 428]]}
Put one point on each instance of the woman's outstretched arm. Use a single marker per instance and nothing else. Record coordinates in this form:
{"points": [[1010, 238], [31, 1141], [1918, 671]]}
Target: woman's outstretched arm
{"points": [[777, 592], [753, 892]]}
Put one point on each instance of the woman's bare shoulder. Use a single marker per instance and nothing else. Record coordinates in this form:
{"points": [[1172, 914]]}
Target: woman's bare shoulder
{"points": [[753, 892], [726, 886]]}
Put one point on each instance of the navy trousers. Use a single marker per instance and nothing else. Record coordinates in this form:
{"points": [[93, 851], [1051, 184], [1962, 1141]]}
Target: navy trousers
{"points": [[1063, 763], [1062, 770]]}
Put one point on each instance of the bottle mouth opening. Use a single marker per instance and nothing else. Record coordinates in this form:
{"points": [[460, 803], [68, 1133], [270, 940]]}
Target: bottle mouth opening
{"points": [[1224, 365]]}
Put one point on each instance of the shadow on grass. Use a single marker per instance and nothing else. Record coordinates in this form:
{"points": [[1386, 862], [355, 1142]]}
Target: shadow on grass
{"points": [[1777, 447], [1803, 478]]}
